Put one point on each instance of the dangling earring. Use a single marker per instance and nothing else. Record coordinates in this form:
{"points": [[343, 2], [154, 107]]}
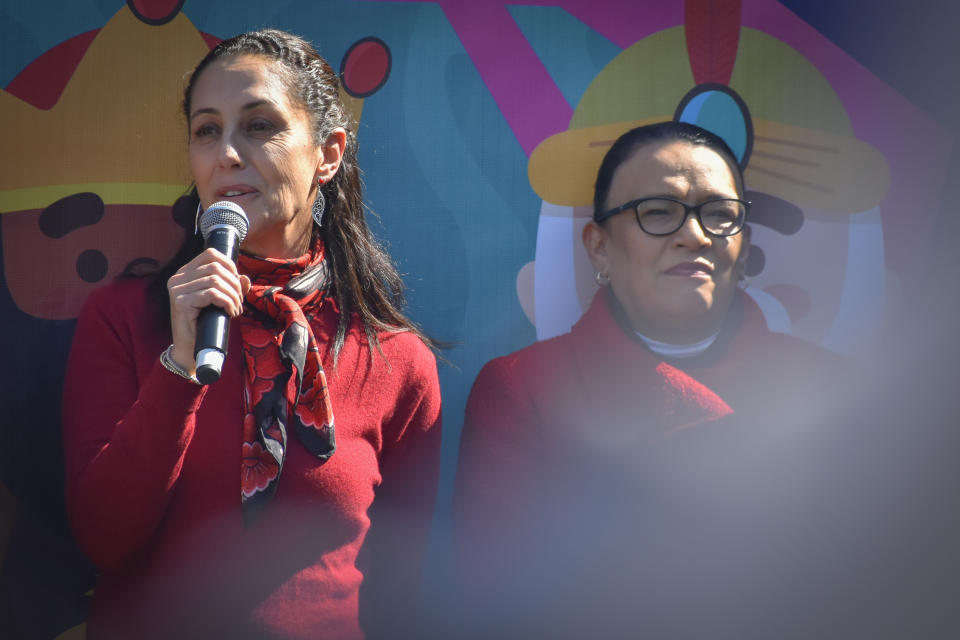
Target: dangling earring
{"points": [[744, 281], [196, 221], [602, 279], [319, 204]]}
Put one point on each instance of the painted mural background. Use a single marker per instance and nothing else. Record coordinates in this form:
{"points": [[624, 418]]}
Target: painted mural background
{"points": [[481, 127]]}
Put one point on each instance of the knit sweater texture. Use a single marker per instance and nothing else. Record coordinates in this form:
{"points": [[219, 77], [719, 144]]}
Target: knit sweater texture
{"points": [[594, 475], [153, 487]]}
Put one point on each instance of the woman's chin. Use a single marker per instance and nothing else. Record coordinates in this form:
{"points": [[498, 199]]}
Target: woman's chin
{"points": [[690, 305], [690, 318], [679, 313]]}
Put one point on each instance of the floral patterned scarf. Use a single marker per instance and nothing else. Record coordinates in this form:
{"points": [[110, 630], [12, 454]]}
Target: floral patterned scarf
{"points": [[285, 382]]}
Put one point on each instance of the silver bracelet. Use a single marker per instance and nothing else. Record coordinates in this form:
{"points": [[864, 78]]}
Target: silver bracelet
{"points": [[167, 361]]}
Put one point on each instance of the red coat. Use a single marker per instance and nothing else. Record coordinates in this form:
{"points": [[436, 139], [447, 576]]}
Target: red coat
{"points": [[153, 486], [579, 453]]}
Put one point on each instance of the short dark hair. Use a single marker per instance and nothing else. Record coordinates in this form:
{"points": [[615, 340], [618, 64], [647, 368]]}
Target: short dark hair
{"points": [[626, 145]]}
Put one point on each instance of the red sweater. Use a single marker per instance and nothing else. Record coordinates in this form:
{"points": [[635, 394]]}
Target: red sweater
{"points": [[153, 487], [576, 449]]}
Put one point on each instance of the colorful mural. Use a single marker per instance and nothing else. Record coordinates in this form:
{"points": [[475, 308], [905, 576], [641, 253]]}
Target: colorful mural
{"points": [[481, 127]]}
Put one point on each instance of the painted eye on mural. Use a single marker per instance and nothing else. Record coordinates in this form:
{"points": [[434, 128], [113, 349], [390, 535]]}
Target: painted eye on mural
{"points": [[71, 213], [775, 214], [81, 243]]}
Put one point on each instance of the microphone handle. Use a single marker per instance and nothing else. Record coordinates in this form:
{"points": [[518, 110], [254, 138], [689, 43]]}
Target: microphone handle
{"points": [[213, 323]]}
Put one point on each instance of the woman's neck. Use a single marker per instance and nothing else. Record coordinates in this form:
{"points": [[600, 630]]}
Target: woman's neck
{"points": [[286, 245], [672, 350]]}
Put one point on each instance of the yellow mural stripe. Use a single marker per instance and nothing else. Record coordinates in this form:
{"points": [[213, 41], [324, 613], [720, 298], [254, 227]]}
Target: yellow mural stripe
{"points": [[110, 192]]}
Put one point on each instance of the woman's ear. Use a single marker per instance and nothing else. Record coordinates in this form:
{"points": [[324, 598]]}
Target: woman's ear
{"points": [[332, 154], [595, 242]]}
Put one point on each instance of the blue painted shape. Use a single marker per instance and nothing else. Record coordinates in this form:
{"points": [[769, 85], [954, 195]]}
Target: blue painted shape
{"points": [[719, 113], [573, 53]]}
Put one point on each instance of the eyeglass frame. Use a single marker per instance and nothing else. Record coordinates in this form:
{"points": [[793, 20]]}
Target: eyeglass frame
{"points": [[688, 209]]}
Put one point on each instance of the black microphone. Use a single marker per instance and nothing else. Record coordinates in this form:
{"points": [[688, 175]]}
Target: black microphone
{"points": [[223, 226]]}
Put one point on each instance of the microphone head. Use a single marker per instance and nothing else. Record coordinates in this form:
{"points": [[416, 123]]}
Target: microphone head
{"points": [[224, 213]]}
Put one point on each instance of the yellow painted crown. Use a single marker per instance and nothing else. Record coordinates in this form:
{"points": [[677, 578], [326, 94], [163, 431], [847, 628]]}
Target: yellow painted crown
{"points": [[117, 128]]}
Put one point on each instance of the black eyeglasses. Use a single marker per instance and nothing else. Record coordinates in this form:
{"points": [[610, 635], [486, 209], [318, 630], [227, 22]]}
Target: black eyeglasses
{"points": [[721, 218]]}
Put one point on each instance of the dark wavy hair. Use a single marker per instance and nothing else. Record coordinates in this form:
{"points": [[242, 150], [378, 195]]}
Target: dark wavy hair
{"points": [[626, 145], [364, 280]]}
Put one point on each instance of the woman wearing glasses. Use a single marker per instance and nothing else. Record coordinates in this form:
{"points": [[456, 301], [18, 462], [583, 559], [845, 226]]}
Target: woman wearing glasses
{"points": [[582, 457]]}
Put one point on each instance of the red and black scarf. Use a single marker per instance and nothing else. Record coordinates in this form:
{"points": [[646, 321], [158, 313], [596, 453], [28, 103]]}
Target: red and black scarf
{"points": [[285, 382]]}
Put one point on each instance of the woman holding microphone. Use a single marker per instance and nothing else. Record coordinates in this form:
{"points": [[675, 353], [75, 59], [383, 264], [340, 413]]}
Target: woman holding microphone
{"points": [[292, 497]]}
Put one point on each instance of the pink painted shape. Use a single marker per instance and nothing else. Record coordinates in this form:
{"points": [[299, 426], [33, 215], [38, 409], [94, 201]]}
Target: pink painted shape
{"points": [[901, 131]]}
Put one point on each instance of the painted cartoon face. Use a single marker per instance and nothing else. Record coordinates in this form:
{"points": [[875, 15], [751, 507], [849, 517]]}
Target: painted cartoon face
{"points": [[252, 144], [675, 288]]}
